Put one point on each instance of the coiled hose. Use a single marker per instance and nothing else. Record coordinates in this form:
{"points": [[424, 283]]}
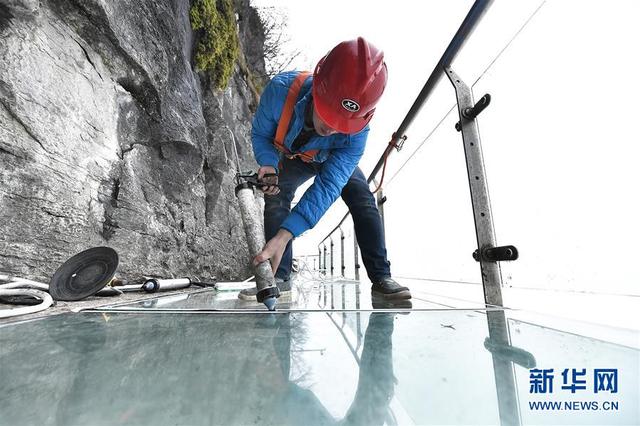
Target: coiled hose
{"points": [[22, 287]]}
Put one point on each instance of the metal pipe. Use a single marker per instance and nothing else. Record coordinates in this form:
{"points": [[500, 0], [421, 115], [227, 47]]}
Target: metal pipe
{"points": [[469, 23]]}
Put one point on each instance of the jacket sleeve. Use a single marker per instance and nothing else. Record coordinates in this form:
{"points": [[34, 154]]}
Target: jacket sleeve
{"points": [[265, 123], [327, 186]]}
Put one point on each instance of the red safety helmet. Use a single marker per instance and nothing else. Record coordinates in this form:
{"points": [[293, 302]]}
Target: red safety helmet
{"points": [[348, 83]]}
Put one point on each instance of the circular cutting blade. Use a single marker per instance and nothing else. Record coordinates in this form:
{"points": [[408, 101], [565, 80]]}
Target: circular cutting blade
{"points": [[84, 274]]}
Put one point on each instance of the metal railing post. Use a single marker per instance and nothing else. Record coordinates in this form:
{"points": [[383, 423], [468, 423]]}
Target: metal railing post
{"points": [[331, 258], [356, 260], [342, 267], [490, 270], [487, 254], [324, 261], [332, 298]]}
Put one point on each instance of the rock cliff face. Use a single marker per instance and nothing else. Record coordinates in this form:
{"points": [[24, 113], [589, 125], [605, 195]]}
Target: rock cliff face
{"points": [[109, 137]]}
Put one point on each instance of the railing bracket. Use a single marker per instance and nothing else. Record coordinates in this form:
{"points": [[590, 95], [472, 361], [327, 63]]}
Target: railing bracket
{"points": [[472, 113], [497, 254]]}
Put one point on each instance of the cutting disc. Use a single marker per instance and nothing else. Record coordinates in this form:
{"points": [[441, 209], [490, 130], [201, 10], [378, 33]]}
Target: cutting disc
{"points": [[84, 274]]}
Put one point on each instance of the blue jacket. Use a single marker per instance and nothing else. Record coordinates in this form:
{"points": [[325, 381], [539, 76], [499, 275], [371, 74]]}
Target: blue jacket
{"points": [[339, 153]]}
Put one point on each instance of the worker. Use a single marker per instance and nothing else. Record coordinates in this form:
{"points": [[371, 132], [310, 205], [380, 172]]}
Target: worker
{"points": [[317, 125]]}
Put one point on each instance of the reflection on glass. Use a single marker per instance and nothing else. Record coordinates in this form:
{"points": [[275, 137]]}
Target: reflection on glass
{"points": [[420, 367], [376, 380]]}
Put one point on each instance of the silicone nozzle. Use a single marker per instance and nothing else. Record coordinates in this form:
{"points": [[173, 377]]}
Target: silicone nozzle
{"points": [[270, 303]]}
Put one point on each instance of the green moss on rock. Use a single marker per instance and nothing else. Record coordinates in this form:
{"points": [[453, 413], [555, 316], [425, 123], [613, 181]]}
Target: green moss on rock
{"points": [[217, 49]]}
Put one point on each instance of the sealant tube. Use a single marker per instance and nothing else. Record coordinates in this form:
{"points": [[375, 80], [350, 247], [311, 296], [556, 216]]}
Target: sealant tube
{"points": [[155, 284], [265, 282]]}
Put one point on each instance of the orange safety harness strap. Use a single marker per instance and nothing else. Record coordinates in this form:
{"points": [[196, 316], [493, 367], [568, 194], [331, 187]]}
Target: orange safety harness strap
{"points": [[285, 119], [393, 143]]}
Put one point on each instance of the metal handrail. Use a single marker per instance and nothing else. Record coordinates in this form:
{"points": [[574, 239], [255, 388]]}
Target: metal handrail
{"points": [[477, 11]]}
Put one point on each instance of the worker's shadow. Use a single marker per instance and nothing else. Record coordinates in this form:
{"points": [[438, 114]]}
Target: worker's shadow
{"points": [[375, 388]]}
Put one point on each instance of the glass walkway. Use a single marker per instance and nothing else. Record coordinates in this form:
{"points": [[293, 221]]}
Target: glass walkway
{"points": [[329, 355], [453, 354]]}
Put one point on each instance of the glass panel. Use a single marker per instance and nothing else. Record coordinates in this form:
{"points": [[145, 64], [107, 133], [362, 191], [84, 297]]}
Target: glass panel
{"points": [[562, 162], [551, 349], [306, 295], [503, 22], [435, 367], [428, 216]]}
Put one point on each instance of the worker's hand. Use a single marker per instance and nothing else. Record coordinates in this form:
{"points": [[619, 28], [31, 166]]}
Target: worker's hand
{"points": [[274, 249], [269, 190]]}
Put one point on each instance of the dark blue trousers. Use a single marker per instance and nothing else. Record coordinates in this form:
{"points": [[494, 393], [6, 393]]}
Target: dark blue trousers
{"points": [[358, 198]]}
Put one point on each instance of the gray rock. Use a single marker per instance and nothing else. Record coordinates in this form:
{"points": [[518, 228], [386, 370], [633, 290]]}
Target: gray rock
{"points": [[19, 7], [109, 137]]}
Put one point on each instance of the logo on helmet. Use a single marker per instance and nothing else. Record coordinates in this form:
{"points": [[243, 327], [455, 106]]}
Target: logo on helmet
{"points": [[349, 105]]}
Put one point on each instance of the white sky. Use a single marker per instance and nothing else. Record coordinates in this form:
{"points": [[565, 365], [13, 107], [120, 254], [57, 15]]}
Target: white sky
{"points": [[559, 139]]}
